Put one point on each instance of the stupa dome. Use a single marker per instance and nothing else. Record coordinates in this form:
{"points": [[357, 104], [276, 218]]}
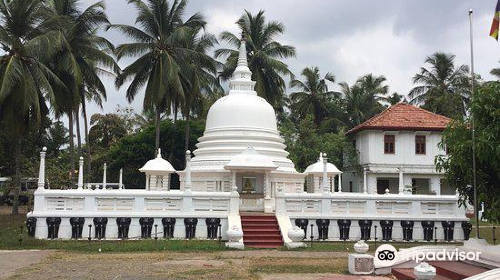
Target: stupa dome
{"points": [[238, 121], [241, 110]]}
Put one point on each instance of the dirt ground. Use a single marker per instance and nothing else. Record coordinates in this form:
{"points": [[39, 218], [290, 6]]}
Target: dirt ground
{"points": [[269, 265]]}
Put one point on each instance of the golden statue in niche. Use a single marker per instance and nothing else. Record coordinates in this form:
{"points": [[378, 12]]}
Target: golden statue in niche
{"points": [[247, 185]]}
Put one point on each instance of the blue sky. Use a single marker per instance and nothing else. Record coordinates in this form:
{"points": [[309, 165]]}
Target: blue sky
{"points": [[348, 38]]}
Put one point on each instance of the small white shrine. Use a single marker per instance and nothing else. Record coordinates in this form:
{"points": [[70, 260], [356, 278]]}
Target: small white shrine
{"points": [[240, 166], [158, 173]]}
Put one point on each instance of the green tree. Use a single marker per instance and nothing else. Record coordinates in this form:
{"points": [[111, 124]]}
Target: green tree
{"points": [[304, 143], [80, 65], [106, 130], [57, 137], [313, 95], [199, 75], [264, 56], [361, 101], [442, 88], [159, 47], [495, 72], [393, 99], [457, 138], [133, 151], [26, 81]]}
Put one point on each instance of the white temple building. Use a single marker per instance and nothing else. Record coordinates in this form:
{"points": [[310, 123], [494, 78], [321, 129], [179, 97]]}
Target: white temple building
{"points": [[240, 166], [242, 148]]}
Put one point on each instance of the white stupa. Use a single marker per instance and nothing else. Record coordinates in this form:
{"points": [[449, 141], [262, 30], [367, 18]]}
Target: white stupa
{"points": [[243, 125]]}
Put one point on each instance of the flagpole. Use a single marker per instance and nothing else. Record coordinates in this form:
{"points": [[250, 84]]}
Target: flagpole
{"points": [[476, 206]]}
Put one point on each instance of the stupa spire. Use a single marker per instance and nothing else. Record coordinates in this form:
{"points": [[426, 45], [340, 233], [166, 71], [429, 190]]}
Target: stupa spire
{"points": [[241, 81], [242, 56]]}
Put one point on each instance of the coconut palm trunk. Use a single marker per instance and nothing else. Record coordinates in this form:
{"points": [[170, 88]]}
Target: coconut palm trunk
{"points": [[78, 134], [186, 136], [71, 147], [157, 124], [17, 177], [86, 127], [171, 153]]}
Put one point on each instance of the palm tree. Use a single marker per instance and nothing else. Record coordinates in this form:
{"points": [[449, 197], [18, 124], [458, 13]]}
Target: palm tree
{"points": [[26, 81], [159, 47], [442, 88], [373, 85], [313, 96], [361, 101], [393, 99], [199, 75], [495, 72], [79, 67], [264, 56]]}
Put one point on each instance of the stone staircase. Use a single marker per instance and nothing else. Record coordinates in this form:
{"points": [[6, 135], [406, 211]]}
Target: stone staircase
{"points": [[261, 231], [445, 270]]}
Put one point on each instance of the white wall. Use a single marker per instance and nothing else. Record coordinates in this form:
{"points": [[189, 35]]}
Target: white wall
{"points": [[370, 145]]}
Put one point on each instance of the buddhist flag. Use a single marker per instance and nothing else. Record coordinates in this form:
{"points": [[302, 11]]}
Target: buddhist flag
{"points": [[495, 26]]}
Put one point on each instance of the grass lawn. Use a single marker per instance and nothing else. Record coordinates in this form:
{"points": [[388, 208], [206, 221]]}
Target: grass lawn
{"points": [[14, 236], [486, 231]]}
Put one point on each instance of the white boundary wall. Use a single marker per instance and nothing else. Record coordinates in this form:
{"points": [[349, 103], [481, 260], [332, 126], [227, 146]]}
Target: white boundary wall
{"points": [[133, 204]]}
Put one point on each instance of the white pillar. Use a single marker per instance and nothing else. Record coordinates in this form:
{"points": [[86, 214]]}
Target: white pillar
{"points": [[233, 179], [80, 173], [41, 171], [120, 180], [266, 182], [365, 189], [326, 188], [340, 183], [187, 183], [104, 176], [401, 181], [147, 181]]}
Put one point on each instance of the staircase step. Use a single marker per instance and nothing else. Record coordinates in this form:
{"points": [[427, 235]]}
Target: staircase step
{"points": [[256, 225], [261, 231], [407, 274], [262, 221], [259, 238], [457, 270]]}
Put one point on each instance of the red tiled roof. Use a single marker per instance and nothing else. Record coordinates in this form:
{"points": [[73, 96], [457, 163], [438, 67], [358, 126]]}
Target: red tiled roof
{"points": [[404, 117]]}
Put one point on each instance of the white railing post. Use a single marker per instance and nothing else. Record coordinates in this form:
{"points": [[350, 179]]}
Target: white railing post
{"points": [[80, 173], [365, 188], [340, 183], [401, 182], [120, 180], [41, 171], [187, 183], [104, 176], [326, 187]]}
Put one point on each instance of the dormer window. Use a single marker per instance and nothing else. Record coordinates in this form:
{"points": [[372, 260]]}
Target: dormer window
{"points": [[420, 144], [389, 144]]}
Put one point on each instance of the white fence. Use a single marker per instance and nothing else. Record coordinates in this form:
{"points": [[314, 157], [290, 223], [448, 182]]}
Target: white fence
{"points": [[134, 204], [369, 206]]}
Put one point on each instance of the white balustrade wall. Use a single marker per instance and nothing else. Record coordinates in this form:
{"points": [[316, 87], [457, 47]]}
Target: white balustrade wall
{"points": [[134, 204], [374, 207]]}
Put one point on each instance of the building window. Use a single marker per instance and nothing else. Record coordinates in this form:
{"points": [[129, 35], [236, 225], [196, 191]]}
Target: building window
{"points": [[389, 144], [420, 144]]}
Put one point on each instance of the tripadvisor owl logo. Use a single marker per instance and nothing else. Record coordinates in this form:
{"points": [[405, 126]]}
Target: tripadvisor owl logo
{"points": [[385, 255]]}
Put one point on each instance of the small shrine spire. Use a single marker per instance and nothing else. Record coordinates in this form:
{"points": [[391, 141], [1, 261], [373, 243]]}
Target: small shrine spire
{"points": [[241, 81], [242, 56]]}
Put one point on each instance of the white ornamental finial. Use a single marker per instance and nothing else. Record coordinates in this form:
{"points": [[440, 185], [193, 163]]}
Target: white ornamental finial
{"points": [[159, 153], [241, 81], [80, 173], [242, 56], [41, 171]]}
